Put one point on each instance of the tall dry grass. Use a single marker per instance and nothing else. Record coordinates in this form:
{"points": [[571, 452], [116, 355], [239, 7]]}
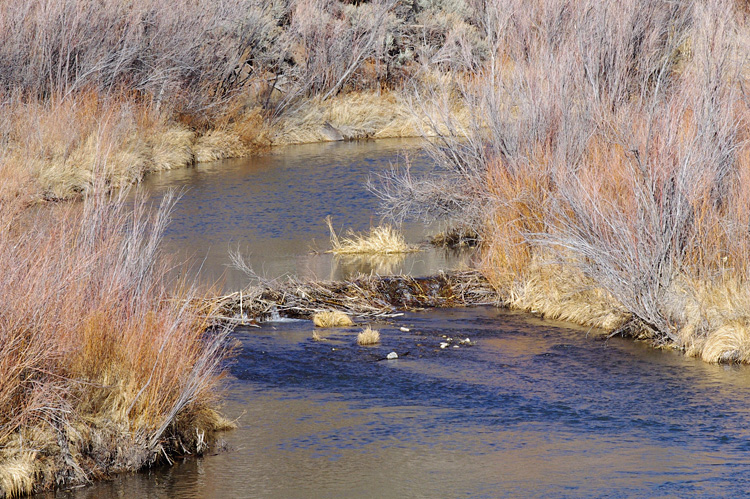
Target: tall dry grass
{"points": [[606, 164], [105, 365], [64, 144], [170, 83], [381, 240]]}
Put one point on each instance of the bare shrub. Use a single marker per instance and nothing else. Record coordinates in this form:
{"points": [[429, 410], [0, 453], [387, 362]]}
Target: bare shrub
{"points": [[608, 140], [643, 222], [94, 337], [185, 52], [328, 43]]}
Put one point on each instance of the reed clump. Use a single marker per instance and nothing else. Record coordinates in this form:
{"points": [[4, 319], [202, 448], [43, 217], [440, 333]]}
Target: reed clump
{"points": [[381, 240], [332, 318], [368, 336]]}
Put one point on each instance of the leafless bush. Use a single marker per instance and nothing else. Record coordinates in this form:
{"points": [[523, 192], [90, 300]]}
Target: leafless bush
{"points": [[445, 35], [637, 224], [607, 137], [183, 50], [328, 42], [94, 336]]}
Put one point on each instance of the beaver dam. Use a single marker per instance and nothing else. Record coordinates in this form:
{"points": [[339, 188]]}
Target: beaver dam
{"points": [[366, 297]]}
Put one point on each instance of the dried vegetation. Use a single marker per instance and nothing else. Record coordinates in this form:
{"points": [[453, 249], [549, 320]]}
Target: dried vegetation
{"points": [[381, 240], [364, 297], [105, 366], [368, 336], [605, 167], [332, 318], [153, 85]]}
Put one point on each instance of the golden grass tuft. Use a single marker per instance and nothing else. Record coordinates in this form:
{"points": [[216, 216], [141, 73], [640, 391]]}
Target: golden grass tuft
{"points": [[354, 115], [728, 343], [382, 239], [560, 292], [17, 474], [368, 336], [333, 318], [218, 144], [171, 147]]}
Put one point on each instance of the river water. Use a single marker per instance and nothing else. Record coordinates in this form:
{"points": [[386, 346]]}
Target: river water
{"points": [[530, 408], [273, 210]]}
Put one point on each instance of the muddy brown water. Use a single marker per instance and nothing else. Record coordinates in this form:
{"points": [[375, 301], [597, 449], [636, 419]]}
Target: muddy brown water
{"points": [[532, 408]]}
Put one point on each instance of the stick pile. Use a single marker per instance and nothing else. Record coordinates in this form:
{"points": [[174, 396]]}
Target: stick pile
{"points": [[366, 296]]}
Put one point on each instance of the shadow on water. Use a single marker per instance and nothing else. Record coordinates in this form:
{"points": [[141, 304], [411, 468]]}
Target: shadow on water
{"points": [[533, 409]]}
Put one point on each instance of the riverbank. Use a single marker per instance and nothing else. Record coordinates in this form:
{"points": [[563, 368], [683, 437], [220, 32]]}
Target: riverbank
{"points": [[606, 168], [118, 141], [145, 87], [103, 368]]}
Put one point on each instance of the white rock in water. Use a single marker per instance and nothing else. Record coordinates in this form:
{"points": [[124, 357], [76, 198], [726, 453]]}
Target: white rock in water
{"points": [[444, 345], [466, 341], [391, 356], [404, 329], [456, 346]]}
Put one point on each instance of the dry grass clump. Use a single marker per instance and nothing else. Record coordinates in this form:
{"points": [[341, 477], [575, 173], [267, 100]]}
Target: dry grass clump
{"points": [[560, 292], [368, 336], [67, 143], [332, 318], [729, 343], [17, 474], [355, 115], [104, 365], [382, 239]]}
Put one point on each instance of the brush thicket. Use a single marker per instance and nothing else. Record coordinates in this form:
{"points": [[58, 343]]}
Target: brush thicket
{"points": [[606, 167], [100, 354]]}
